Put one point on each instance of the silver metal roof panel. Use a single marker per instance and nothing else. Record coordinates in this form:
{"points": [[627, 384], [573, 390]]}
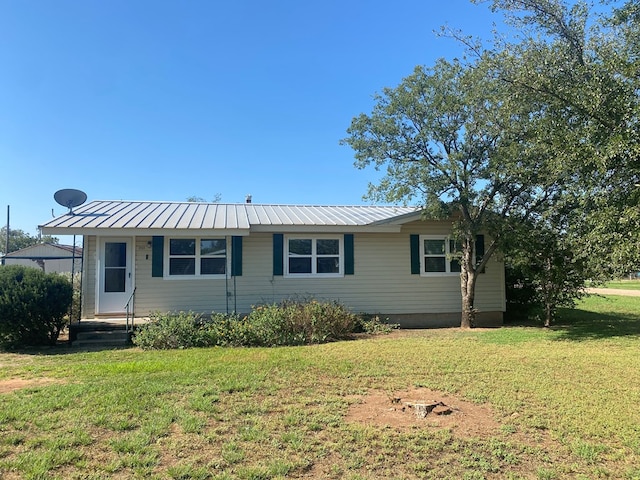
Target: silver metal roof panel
{"points": [[137, 216]]}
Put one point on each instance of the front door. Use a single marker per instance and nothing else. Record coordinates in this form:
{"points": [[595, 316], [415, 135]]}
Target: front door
{"points": [[115, 276]]}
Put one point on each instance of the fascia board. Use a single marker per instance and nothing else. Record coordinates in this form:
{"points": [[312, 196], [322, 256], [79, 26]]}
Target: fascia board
{"points": [[142, 232], [401, 219]]}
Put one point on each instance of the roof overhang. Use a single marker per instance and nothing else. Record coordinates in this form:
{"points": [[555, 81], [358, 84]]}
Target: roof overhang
{"points": [[140, 232]]}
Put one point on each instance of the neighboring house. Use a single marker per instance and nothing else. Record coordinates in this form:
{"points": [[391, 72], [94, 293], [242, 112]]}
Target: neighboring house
{"points": [[49, 257], [229, 257]]}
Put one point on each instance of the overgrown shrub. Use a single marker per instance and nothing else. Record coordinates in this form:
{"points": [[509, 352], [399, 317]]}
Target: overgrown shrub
{"points": [[76, 281], [286, 323], [374, 325], [300, 322], [172, 330], [33, 306]]}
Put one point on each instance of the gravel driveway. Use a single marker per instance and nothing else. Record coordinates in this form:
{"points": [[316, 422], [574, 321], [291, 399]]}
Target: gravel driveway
{"points": [[614, 291]]}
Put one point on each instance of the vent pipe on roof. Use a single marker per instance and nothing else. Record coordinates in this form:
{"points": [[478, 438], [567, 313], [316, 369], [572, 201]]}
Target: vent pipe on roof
{"points": [[247, 199]]}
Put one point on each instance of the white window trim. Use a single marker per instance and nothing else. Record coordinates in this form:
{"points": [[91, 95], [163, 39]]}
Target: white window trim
{"points": [[196, 276], [447, 239], [314, 257]]}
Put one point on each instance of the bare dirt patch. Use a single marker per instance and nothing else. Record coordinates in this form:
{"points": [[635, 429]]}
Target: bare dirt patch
{"points": [[13, 384], [424, 408]]}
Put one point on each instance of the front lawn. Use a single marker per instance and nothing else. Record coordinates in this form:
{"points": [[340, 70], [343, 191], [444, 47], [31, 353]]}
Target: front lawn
{"points": [[526, 403], [623, 284]]}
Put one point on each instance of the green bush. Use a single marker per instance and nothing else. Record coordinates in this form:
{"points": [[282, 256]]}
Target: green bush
{"points": [[172, 330], [76, 282], [300, 322], [373, 325], [33, 306], [286, 323]]}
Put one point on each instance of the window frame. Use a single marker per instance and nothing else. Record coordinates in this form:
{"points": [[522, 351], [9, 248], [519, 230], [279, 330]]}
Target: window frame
{"points": [[198, 258], [448, 256], [314, 256]]}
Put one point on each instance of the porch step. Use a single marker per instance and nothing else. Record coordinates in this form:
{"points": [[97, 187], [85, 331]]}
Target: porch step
{"points": [[101, 338], [113, 338]]}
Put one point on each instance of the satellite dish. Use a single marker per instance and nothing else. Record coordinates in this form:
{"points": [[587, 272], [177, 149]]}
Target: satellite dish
{"points": [[69, 197]]}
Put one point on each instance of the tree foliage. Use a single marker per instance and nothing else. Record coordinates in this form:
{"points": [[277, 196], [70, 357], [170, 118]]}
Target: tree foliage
{"points": [[217, 198], [584, 65], [542, 127], [455, 139], [545, 270]]}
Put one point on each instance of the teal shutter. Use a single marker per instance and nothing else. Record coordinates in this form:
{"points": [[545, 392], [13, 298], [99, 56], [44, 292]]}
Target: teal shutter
{"points": [[479, 249], [415, 254], [236, 256], [348, 254], [278, 253], [157, 256]]}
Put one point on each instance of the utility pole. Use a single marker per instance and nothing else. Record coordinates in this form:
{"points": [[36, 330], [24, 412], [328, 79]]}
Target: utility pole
{"points": [[6, 244]]}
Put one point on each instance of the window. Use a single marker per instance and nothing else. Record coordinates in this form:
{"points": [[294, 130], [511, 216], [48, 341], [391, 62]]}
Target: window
{"points": [[197, 256], [313, 256], [437, 253]]}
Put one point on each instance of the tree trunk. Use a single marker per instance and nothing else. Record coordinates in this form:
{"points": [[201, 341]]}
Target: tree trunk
{"points": [[468, 277], [547, 291], [548, 315]]}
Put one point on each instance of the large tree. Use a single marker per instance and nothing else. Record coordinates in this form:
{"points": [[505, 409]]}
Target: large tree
{"points": [[542, 124], [454, 139], [583, 65]]}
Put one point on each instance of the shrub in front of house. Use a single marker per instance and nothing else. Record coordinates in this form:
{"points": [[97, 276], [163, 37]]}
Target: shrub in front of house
{"points": [[33, 306], [374, 325], [172, 330], [286, 323], [300, 322]]}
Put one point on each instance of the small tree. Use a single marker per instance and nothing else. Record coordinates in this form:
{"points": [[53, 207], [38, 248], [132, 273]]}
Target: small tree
{"points": [[33, 306], [544, 271]]}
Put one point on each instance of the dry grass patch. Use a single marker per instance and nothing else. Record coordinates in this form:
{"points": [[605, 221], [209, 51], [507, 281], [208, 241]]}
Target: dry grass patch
{"points": [[397, 410], [13, 384]]}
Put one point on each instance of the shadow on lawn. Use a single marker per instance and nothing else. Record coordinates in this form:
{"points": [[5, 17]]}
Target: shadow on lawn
{"points": [[579, 325], [575, 324]]}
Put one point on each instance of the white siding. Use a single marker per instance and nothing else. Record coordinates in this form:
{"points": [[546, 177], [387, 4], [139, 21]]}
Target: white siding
{"points": [[89, 278], [382, 282], [159, 294], [51, 265]]}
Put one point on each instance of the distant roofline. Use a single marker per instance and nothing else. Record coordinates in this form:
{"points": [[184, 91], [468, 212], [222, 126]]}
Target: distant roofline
{"points": [[256, 204]]}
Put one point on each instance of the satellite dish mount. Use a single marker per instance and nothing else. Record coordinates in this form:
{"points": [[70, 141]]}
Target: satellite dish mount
{"points": [[69, 197]]}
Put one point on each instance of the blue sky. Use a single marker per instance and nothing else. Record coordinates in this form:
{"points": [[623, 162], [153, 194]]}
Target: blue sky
{"points": [[162, 100]]}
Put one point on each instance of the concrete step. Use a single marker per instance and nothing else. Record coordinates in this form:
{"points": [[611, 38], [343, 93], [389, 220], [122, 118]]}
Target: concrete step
{"points": [[101, 338]]}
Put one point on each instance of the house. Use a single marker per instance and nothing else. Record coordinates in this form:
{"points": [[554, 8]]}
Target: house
{"points": [[49, 257], [208, 257]]}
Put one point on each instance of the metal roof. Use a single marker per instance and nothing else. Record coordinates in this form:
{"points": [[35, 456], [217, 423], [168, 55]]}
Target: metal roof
{"points": [[137, 217]]}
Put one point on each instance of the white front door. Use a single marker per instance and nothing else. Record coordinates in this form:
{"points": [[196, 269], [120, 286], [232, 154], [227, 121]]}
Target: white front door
{"points": [[115, 276]]}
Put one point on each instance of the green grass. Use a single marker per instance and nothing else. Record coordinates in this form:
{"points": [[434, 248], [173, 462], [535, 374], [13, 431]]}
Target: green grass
{"points": [[565, 398], [623, 284]]}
